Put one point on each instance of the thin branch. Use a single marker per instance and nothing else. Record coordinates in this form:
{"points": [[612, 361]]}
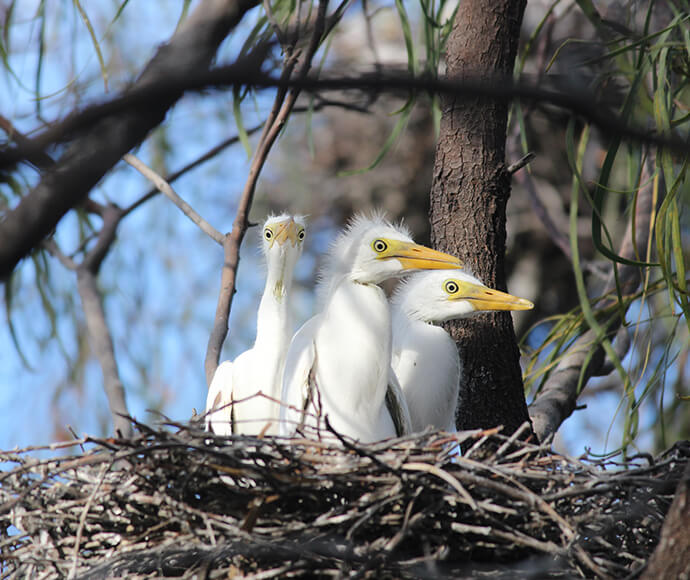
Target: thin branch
{"points": [[520, 163], [165, 188], [212, 152], [102, 345], [558, 398], [54, 250], [283, 105], [100, 338]]}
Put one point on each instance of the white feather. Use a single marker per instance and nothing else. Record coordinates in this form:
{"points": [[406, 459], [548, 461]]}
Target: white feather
{"points": [[248, 390]]}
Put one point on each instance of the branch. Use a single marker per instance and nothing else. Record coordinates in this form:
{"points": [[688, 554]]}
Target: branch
{"points": [[212, 152], [246, 72], [557, 400], [102, 345], [280, 112], [165, 188], [95, 151], [100, 339]]}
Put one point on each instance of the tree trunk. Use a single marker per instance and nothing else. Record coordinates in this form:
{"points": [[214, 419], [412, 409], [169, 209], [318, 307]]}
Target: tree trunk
{"points": [[469, 194], [671, 559]]}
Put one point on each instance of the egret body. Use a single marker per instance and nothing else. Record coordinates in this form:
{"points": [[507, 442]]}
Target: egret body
{"points": [[424, 356], [338, 363], [236, 401]]}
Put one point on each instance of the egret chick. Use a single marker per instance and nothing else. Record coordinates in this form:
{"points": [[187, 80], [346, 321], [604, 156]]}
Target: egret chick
{"points": [[235, 403], [424, 357], [338, 363]]}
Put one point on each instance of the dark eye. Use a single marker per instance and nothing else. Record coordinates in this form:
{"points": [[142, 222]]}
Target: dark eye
{"points": [[300, 235], [268, 234], [451, 287], [379, 246]]}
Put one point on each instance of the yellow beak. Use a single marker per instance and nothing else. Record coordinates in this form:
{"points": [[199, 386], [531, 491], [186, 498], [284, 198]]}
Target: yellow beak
{"points": [[416, 257], [287, 230], [483, 298]]}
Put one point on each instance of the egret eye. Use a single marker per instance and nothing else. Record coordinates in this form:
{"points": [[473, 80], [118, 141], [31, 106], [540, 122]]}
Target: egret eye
{"points": [[451, 287], [268, 234], [300, 235], [379, 246]]}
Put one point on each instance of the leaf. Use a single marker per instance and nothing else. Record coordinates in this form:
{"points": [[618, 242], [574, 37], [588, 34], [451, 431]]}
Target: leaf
{"points": [[94, 40]]}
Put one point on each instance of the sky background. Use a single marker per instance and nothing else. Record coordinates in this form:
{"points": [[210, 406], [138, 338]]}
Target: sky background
{"points": [[162, 276]]}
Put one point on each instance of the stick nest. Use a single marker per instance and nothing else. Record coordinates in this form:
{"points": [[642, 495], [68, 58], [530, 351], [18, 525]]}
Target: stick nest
{"points": [[184, 503]]}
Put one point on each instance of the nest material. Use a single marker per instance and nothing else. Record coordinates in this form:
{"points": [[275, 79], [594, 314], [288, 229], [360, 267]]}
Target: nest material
{"points": [[192, 504]]}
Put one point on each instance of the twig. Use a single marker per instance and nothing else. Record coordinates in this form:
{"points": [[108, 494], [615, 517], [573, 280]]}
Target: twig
{"points": [[445, 476], [212, 152], [520, 163], [165, 188], [82, 520]]}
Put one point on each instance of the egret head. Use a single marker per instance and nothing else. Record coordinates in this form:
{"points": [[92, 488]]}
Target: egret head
{"points": [[447, 294], [282, 241], [371, 250]]}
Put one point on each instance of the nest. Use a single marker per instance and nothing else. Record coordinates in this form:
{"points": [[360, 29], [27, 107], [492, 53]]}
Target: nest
{"points": [[183, 503]]}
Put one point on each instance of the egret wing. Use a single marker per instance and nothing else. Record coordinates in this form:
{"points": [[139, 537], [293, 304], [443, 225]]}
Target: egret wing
{"points": [[219, 401], [397, 406], [299, 363]]}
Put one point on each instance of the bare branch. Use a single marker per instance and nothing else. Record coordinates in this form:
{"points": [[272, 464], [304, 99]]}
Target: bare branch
{"points": [[280, 112], [558, 398], [54, 250], [94, 152], [165, 188], [520, 163], [99, 334], [102, 345], [212, 152]]}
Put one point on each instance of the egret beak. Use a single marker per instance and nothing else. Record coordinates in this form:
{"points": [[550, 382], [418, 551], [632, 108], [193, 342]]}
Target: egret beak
{"points": [[416, 257], [483, 298], [287, 230]]}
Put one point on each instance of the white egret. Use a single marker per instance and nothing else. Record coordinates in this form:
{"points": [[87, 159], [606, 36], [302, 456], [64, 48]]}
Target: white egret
{"points": [[424, 357], [338, 363], [236, 401]]}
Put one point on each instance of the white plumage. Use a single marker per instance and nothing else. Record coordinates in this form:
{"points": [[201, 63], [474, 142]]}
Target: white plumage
{"points": [[235, 403], [424, 357], [338, 363]]}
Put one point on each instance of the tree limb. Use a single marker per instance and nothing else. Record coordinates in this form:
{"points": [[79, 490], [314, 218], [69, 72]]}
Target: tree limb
{"points": [[94, 152], [557, 400]]}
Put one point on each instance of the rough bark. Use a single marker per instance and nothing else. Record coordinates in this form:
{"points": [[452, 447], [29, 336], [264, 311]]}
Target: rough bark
{"points": [[469, 194], [671, 559], [94, 151]]}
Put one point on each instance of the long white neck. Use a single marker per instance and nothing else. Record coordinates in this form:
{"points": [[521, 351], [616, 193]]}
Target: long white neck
{"points": [[273, 317]]}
